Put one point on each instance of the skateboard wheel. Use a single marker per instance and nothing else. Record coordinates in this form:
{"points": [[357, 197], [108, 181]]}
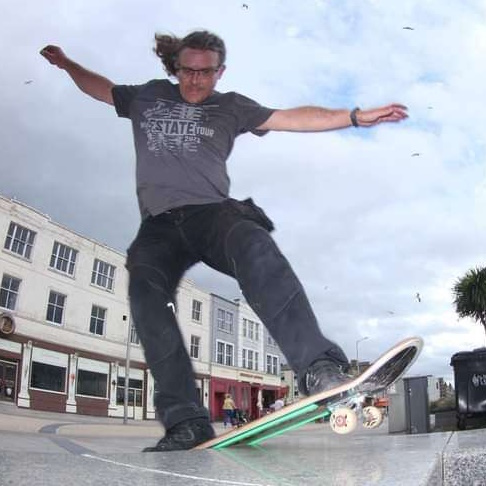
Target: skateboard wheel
{"points": [[343, 420], [372, 417]]}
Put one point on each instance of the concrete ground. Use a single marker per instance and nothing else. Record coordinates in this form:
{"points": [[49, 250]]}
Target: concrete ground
{"points": [[42, 448]]}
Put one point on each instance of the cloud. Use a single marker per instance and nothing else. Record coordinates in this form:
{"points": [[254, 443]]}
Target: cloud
{"points": [[365, 223]]}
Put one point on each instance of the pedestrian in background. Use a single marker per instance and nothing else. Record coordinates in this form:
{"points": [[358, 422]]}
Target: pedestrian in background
{"points": [[229, 408]]}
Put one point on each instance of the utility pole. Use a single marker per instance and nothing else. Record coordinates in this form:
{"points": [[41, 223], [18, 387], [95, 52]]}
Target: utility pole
{"points": [[127, 371]]}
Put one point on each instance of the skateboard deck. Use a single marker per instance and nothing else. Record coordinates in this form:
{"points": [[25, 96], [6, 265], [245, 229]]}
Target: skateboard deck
{"points": [[341, 404]]}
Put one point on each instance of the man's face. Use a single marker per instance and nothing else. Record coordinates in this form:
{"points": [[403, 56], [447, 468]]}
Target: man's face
{"points": [[198, 73]]}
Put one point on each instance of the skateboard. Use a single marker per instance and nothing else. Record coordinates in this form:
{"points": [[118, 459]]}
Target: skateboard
{"points": [[344, 405]]}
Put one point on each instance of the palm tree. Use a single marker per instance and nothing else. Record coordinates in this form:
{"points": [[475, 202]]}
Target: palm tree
{"points": [[470, 295]]}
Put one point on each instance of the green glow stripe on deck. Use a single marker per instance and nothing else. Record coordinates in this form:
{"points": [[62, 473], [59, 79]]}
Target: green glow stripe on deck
{"points": [[294, 425], [265, 426]]}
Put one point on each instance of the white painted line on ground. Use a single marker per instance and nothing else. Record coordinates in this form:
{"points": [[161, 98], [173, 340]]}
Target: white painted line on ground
{"points": [[169, 473]]}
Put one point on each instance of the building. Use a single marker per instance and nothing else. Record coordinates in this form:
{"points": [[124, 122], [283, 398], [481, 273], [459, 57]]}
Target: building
{"points": [[439, 389], [193, 309], [290, 381], [433, 388], [65, 328], [356, 368], [67, 296], [240, 360]]}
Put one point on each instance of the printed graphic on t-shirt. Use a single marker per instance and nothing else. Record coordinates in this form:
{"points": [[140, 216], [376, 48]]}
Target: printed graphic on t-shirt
{"points": [[175, 127]]}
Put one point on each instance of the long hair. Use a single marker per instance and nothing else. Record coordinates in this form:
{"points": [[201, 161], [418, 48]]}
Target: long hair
{"points": [[168, 47]]}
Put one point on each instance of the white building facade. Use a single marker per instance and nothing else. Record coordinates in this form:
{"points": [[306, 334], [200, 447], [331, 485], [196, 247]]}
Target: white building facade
{"points": [[67, 296], [65, 325]]}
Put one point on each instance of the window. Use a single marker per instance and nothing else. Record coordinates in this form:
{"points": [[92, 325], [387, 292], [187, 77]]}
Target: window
{"points": [[250, 359], [92, 384], [195, 345], [63, 258], [251, 330], [135, 392], [229, 355], [247, 361], [20, 240], [9, 292], [271, 341], [134, 339], [220, 353], [98, 319], [48, 377], [225, 321], [224, 353], [55, 307], [103, 274], [272, 364], [196, 310]]}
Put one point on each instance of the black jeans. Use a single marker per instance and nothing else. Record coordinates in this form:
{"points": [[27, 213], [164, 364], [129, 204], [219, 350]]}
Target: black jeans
{"points": [[232, 237]]}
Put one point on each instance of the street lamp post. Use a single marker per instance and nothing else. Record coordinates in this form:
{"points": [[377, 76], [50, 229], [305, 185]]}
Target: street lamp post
{"points": [[357, 354], [127, 372]]}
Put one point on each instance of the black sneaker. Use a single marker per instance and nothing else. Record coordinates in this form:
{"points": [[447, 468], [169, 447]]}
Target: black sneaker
{"points": [[184, 436], [323, 375]]}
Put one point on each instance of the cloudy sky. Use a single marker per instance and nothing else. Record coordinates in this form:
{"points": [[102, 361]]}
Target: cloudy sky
{"points": [[369, 218]]}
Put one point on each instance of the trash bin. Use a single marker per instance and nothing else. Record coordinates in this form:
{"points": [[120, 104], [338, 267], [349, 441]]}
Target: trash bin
{"points": [[470, 384]]}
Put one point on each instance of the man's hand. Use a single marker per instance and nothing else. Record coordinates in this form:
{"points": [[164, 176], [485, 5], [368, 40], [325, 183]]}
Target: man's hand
{"points": [[93, 84], [390, 113], [55, 55]]}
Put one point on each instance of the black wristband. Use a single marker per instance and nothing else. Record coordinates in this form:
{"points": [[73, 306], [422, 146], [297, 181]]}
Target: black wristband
{"points": [[354, 120]]}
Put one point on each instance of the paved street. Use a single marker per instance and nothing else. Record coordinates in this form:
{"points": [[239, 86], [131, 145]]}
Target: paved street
{"points": [[41, 448]]}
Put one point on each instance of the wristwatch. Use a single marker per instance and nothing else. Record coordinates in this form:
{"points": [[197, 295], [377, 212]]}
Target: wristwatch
{"points": [[352, 115]]}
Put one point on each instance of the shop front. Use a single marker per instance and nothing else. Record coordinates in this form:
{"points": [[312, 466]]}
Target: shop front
{"points": [[48, 377], [251, 392]]}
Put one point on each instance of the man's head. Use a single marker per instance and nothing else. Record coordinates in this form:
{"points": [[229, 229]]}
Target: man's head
{"points": [[197, 61]]}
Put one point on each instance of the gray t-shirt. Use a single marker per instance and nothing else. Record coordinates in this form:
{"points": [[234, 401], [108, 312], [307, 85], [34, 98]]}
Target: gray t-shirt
{"points": [[181, 147]]}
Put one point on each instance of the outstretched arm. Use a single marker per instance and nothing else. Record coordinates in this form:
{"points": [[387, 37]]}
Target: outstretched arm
{"points": [[316, 119], [87, 81]]}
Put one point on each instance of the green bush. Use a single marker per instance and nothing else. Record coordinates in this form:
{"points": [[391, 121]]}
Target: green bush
{"points": [[443, 405]]}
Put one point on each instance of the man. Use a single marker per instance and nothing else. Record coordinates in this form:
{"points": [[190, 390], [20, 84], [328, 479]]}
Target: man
{"points": [[183, 136]]}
